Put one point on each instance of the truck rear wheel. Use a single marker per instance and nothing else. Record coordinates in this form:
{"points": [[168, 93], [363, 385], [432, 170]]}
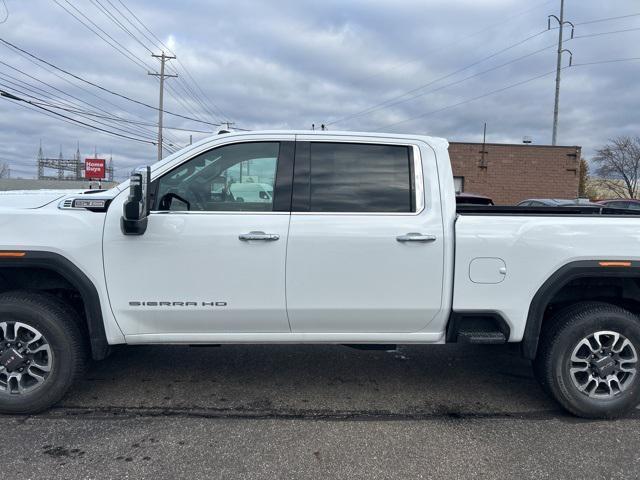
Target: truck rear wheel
{"points": [[588, 360], [42, 351]]}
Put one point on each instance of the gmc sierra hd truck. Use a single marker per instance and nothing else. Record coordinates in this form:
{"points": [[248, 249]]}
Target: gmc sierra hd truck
{"points": [[357, 241]]}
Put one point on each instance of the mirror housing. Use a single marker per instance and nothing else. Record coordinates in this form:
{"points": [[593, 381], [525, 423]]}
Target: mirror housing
{"points": [[136, 208]]}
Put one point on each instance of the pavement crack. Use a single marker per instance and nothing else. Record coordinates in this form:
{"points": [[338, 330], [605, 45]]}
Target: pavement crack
{"points": [[116, 413]]}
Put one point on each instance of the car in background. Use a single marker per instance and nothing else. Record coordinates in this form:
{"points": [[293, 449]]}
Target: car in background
{"points": [[251, 192], [625, 203], [557, 202], [472, 199]]}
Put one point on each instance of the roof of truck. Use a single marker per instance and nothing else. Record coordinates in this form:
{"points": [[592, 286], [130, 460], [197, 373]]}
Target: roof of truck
{"points": [[332, 133]]}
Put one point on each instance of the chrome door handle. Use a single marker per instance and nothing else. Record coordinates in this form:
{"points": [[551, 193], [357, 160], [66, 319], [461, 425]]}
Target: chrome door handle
{"points": [[416, 237], [269, 237]]}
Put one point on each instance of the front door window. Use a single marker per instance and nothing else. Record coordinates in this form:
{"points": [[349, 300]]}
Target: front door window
{"points": [[237, 177]]}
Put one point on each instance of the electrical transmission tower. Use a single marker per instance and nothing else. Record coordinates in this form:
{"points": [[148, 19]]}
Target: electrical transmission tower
{"points": [[561, 21], [163, 58], [61, 165], [67, 168]]}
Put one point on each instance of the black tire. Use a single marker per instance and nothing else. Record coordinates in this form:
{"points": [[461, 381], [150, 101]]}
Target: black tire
{"points": [[540, 368], [561, 334], [59, 324]]}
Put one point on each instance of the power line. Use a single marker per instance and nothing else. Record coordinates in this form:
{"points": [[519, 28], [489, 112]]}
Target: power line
{"points": [[471, 35], [192, 93], [18, 99], [151, 41], [41, 91], [66, 80], [57, 97], [531, 79], [181, 83], [65, 105], [457, 82], [444, 77], [607, 33], [111, 17], [163, 45], [394, 100], [116, 45], [88, 82], [129, 55], [599, 20], [105, 11], [99, 122], [599, 62], [507, 87], [115, 119], [178, 98]]}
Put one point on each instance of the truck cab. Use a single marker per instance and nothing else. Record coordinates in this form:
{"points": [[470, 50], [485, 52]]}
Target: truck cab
{"points": [[351, 247]]}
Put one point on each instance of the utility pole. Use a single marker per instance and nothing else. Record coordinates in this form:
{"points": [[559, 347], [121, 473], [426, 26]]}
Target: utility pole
{"points": [[163, 58], [561, 21], [483, 152]]}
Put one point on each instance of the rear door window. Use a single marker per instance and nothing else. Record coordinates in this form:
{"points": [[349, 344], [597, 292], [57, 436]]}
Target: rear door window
{"points": [[350, 177]]}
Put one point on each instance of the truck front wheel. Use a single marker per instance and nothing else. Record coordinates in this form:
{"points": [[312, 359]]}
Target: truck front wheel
{"points": [[42, 351], [588, 360]]}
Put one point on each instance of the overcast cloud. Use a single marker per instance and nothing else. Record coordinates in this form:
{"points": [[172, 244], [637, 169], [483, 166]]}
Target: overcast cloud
{"points": [[291, 63]]}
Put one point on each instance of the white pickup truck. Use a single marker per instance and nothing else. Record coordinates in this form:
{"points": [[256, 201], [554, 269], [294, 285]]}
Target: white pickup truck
{"points": [[358, 242]]}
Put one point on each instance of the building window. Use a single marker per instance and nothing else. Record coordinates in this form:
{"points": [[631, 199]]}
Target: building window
{"points": [[458, 183]]}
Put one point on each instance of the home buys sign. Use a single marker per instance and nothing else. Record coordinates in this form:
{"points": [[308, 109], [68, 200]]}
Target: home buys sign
{"points": [[94, 168]]}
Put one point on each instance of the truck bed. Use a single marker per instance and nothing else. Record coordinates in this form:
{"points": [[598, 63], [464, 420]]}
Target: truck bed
{"points": [[543, 211]]}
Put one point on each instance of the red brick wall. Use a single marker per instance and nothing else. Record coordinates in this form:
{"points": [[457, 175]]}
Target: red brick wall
{"points": [[512, 173]]}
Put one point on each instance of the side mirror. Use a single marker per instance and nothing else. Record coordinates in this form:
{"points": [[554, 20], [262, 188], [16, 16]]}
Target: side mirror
{"points": [[136, 209]]}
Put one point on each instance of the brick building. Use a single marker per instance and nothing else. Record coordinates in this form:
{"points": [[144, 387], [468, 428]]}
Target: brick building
{"points": [[509, 173]]}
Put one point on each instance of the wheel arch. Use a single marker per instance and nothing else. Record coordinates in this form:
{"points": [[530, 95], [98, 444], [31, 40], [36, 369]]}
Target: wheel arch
{"points": [[601, 270], [67, 270]]}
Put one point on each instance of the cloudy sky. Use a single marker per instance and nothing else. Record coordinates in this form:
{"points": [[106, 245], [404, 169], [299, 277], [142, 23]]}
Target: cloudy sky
{"points": [[441, 67]]}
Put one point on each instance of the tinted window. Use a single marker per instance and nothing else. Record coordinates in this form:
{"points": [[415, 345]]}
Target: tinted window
{"points": [[360, 178], [625, 205], [237, 177]]}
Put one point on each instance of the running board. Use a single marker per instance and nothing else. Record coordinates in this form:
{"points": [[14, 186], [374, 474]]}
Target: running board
{"points": [[481, 337], [482, 327]]}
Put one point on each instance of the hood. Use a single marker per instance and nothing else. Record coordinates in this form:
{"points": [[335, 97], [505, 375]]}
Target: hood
{"points": [[32, 198]]}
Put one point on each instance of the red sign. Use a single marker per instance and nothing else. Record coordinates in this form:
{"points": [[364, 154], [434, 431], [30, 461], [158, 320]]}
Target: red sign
{"points": [[94, 168]]}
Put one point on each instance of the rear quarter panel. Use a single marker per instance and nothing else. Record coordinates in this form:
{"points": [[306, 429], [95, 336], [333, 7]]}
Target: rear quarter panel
{"points": [[533, 248]]}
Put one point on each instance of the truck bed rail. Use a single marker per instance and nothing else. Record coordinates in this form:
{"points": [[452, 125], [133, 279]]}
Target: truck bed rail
{"points": [[544, 211]]}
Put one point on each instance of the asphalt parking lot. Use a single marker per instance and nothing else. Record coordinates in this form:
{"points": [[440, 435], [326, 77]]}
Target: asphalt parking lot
{"points": [[445, 411]]}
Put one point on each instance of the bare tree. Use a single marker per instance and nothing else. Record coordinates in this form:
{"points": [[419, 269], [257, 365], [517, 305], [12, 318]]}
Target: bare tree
{"points": [[4, 170], [618, 166], [585, 181]]}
